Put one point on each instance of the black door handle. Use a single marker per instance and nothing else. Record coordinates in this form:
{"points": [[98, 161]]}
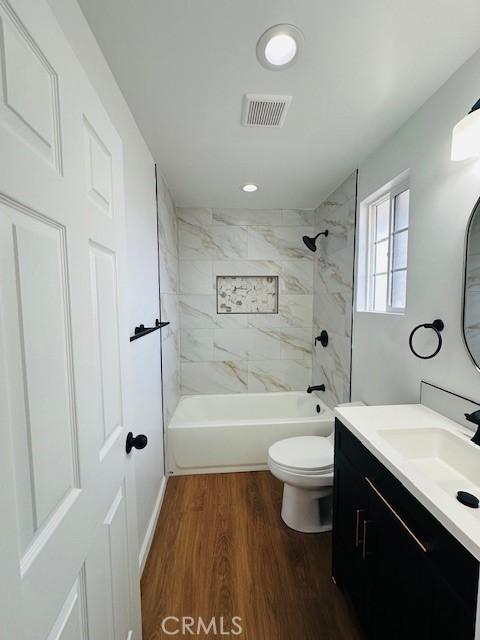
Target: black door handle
{"points": [[137, 442]]}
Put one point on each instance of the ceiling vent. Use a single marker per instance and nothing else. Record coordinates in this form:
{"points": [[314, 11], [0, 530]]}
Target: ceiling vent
{"points": [[265, 110]]}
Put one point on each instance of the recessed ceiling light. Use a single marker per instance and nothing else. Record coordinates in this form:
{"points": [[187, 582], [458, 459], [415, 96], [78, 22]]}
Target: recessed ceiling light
{"points": [[279, 46], [249, 188], [281, 49]]}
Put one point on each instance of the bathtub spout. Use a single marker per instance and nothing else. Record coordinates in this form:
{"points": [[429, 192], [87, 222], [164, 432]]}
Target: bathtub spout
{"points": [[318, 387]]}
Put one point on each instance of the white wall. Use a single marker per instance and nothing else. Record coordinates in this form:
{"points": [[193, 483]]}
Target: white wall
{"points": [[443, 194], [144, 393]]}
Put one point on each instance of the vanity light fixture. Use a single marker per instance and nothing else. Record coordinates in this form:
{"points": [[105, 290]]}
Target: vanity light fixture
{"points": [[279, 46], [250, 188], [466, 135]]}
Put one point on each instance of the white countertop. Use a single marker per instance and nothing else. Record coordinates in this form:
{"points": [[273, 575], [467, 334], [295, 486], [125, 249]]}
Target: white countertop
{"points": [[366, 422]]}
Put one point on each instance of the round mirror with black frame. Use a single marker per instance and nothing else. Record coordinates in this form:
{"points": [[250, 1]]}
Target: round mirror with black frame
{"points": [[471, 289]]}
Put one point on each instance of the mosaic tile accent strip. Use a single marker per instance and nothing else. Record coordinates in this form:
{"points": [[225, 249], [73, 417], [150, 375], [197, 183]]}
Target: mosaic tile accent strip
{"points": [[247, 294]]}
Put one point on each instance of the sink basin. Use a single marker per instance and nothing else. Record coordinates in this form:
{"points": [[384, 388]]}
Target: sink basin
{"points": [[448, 459]]}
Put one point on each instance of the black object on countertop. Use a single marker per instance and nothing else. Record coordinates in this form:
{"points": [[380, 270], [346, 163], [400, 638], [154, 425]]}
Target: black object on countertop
{"points": [[468, 499], [475, 418]]}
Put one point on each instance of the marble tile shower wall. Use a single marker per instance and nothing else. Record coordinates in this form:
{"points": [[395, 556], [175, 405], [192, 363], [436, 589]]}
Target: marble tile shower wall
{"points": [[333, 291], [169, 290], [222, 353]]}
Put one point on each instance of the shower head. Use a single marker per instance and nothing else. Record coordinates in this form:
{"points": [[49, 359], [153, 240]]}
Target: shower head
{"points": [[311, 243]]}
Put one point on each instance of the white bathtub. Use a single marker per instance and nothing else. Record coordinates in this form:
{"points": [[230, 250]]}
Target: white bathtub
{"points": [[220, 433]]}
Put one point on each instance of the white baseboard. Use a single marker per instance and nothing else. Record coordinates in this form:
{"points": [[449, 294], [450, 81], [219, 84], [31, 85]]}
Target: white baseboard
{"points": [[147, 541]]}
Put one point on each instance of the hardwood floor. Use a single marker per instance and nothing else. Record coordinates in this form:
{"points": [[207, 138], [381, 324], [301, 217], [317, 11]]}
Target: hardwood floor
{"points": [[221, 549]]}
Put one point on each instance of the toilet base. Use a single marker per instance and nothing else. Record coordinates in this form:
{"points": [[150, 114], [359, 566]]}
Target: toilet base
{"points": [[307, 511]]}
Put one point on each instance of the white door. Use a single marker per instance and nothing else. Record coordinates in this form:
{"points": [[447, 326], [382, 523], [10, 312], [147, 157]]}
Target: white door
{"points": [[68, 547]]}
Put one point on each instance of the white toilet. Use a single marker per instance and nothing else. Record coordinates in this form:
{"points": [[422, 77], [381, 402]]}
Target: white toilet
{"points": [[305, 465]]}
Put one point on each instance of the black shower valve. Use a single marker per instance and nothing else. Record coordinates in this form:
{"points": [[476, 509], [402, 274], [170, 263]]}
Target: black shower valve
{"points": [[322, 338]]}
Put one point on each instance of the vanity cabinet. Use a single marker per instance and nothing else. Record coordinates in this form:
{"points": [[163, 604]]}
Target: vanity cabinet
{"points": [[405, 574]]}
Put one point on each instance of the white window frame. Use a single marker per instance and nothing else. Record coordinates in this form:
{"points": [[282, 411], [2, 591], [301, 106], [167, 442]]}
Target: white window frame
{"points": [[371, 245]]}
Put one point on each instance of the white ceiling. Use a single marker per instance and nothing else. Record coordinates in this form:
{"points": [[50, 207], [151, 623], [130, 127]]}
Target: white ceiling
{"points": [[367, 65]]}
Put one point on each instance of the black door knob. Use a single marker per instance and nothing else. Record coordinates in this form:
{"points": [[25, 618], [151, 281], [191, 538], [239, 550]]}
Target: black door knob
{"points": [[137, 442]]}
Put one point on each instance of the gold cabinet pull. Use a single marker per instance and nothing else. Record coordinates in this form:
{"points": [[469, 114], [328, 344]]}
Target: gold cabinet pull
{"points": [[357, 527], [402, 522], [364, 541]]}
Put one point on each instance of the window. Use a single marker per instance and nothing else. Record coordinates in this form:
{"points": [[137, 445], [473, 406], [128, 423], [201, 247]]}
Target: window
{"points": [[385, 252]]}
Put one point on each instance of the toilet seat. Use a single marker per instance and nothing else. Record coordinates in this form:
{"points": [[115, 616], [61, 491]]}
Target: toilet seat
{"points": [[303, 455], [301, 478]]}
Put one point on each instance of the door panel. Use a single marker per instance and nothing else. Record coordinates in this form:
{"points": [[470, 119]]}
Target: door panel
{"points": [[49, 454], [117, 554], [39, 372], [72, 622], [68, 546], [30, 100], [98, 163], [350, 523], [105, 318]]}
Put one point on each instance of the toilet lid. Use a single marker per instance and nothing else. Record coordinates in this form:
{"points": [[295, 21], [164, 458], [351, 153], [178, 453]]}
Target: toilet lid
{"points": [[305, 453]]}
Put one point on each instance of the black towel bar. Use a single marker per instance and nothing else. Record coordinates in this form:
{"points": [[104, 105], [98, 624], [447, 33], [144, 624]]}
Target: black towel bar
{"points": [[142, 330]]}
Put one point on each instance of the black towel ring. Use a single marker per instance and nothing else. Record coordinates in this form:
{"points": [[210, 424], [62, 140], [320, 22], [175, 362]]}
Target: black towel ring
{"points": [[437, 326]]}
